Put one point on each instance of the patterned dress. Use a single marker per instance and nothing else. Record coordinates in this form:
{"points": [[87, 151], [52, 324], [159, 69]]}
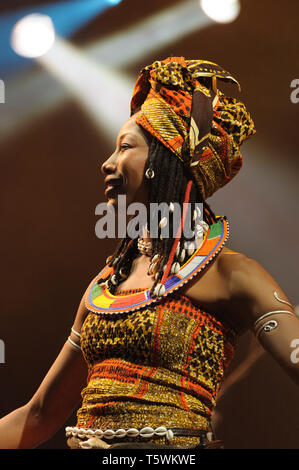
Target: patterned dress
{"points": [[161, 365]]}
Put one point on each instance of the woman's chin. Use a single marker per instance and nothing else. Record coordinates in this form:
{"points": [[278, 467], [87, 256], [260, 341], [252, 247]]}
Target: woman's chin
{"points": [[118, 203], [112, 202]]}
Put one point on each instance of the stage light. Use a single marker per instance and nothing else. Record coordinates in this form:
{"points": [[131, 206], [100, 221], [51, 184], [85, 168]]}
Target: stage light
{"points": [[222, 11], [33, 35], [101, 91], [164, 28], [124, 48], [114, 2]]}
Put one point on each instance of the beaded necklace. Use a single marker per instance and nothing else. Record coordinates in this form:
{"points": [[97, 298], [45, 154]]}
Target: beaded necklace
{"points": [[99, 299]]}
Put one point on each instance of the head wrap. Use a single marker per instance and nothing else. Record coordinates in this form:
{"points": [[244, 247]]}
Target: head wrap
{"points": [[179, 104]]}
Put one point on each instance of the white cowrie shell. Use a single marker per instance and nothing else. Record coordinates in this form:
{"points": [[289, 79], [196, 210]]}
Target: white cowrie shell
{"points": [[198, 212], [191, 248], [133, 432], [151, 269], [109, 434], [161, 431], [182, 255], [122, 274], [171, 207], [199, 229], [163, 222], [147, 432], [159, 289], [175, 268], [114, 280], [204, 225]]}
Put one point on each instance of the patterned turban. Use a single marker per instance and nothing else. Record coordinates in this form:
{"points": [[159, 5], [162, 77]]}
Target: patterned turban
{"points": [[179, 104]]}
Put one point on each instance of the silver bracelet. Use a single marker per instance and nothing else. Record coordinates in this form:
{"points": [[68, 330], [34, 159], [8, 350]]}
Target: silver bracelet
{"points": [[74, 344], [270, 313], [282, 301], [75, 332], [268, 325]]}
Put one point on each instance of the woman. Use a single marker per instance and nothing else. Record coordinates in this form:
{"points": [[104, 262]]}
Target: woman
{"points": [[157, 327]]}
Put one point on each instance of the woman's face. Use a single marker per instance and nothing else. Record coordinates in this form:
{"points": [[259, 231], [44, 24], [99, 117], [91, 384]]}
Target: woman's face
{"points": [[124, 170]]}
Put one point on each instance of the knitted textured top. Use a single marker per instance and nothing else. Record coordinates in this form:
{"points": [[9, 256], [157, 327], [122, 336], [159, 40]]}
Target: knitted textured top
{"points": [[161, 365]]}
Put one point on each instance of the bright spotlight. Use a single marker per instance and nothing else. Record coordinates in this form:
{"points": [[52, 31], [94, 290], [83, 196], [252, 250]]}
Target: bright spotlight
{"points": [[33, 35], [222, 11]]}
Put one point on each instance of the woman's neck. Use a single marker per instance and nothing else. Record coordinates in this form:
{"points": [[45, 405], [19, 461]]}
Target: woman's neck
{"points": [[145, 234]]}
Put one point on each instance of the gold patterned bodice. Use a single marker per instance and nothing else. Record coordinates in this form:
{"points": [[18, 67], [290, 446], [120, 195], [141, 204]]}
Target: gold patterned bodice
{"points": [[161, 365]]}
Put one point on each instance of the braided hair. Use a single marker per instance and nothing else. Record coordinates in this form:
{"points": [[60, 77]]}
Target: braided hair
{"points": [[169, 185]]}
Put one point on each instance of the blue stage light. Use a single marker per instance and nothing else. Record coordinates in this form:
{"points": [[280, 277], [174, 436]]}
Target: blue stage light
{"points": [[67, 17]]}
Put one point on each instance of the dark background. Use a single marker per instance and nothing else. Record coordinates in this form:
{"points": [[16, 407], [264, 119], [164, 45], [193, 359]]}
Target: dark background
{"points": [[51, 184]]}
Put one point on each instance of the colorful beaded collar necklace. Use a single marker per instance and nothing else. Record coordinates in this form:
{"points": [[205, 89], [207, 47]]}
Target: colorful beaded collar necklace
{"points": [[99, 300]]}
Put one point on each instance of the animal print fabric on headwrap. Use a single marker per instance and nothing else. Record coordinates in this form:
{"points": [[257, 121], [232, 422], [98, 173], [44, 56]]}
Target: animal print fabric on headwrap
{"points": [[179, 104]]}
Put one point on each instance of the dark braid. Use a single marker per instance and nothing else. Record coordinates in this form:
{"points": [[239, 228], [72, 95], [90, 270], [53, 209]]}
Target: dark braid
{"points": [[168, 185]]}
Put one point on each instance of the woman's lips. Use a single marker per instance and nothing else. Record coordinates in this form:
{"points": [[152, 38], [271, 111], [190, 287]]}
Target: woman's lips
{"points": [[113, 186], [110, 190]]}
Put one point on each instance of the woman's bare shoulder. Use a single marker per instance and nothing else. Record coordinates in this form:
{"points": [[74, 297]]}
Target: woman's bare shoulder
{"points": [[230, 260], [239, 266], [249, 285]]}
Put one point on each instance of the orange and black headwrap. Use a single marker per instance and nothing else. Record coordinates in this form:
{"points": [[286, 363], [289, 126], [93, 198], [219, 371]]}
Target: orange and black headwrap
{"points": [[180, 105]]}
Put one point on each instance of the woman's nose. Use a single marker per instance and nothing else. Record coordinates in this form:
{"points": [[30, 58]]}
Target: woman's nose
{"points": [[109, 166]]}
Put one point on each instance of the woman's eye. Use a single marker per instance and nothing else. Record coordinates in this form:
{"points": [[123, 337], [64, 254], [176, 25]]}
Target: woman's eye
{"points": [[124, 146]]}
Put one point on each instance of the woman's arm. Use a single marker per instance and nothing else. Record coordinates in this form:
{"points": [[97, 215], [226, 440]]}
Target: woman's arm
{"points": [[265, 310], [54, 401]]}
